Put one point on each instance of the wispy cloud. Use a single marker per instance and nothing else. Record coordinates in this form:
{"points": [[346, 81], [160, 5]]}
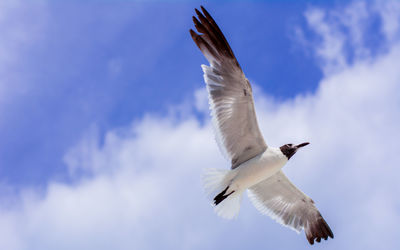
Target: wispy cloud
{"points": [[389, 12], [138, 187], [348, 34]]}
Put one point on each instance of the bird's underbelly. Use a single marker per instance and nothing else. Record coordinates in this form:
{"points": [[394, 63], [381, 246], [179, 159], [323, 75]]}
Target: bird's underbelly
{"points": [[255, 171]]}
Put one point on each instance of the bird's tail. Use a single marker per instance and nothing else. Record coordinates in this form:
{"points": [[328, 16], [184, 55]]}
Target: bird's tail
{"points": [[226, 201]]}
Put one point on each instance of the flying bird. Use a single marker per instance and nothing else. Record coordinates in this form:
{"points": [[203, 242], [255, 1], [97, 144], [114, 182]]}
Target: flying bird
{"points": [[255, 166]]}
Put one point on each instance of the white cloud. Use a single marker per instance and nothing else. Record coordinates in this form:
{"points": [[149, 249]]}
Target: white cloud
{"points": [[390, 15], [355, 19], [144, 181], [331, 47], [343, 35], [141, 187]]}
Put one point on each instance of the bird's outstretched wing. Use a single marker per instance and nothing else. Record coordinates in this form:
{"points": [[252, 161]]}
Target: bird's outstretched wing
{"points": [[280, 199], [230, 94]]}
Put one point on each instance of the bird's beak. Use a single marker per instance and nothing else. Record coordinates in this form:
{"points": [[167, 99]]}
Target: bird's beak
{"points": [[302, 145]]}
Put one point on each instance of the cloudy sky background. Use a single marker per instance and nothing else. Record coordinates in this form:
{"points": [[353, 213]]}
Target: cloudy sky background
{"points": [[105, 130]]}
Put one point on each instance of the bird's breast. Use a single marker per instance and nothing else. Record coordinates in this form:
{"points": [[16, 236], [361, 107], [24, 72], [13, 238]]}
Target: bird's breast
{"points": [[258, 169]]}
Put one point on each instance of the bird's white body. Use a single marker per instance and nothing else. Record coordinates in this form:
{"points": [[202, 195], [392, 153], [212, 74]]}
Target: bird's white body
{"points": [[257, 169], [255, 166], [245, 176]]}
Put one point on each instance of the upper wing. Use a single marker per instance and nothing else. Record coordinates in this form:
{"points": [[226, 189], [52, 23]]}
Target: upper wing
{"points": [[280, 199], [230, 94]]}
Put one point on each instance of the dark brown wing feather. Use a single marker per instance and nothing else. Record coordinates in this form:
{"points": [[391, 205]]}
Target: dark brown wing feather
{"points": [[231, 99], [213, 38], [284, 202], [317, 230]]}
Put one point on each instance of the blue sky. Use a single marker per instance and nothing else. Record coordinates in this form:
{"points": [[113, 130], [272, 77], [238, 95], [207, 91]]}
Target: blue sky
{"points": [[88, 88], [108, 63]]}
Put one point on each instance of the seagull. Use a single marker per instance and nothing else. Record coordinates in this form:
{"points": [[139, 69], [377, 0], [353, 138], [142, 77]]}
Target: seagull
{"points": [[255, 166]]}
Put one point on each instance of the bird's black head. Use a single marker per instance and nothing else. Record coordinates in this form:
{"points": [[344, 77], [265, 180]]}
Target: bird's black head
{"points": [[289, 149]]}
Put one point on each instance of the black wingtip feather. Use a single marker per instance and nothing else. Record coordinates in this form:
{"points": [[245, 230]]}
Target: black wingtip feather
{"points": [[194, 35], [199, 26], [213, 36], [317, 230], [218, 31], [197, 12], [205, 12]]}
